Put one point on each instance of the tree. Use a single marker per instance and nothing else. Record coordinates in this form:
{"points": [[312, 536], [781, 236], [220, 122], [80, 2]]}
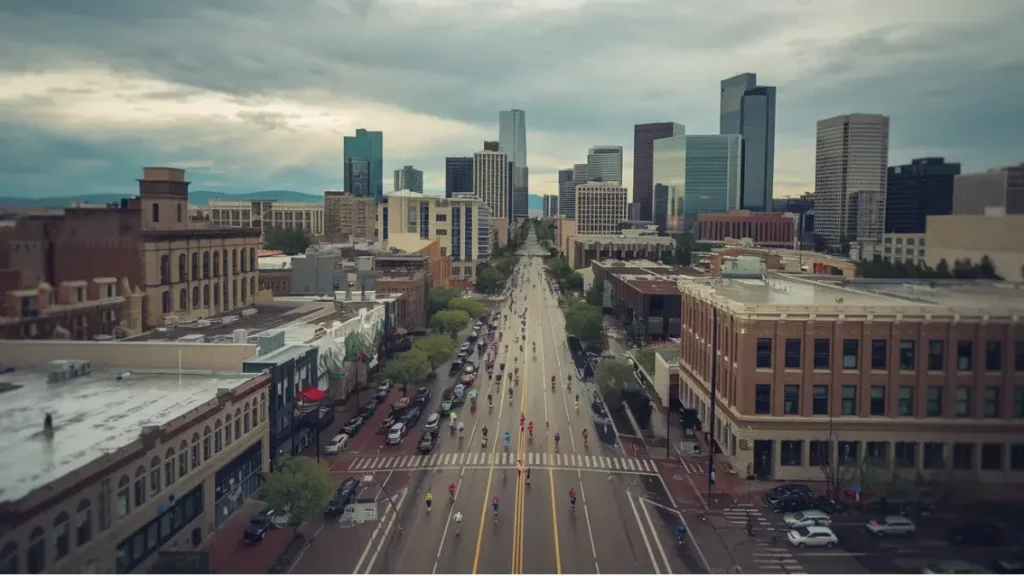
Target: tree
{"points": [[408, 369], [942, 269], [439, 297], [490, 281], [575, 282], [299, 485], [595, 296], [449, 321], [614, 378], [963, 269], [987, 270], [584, 322], [439, 348], [291, 241], [474, 308]]}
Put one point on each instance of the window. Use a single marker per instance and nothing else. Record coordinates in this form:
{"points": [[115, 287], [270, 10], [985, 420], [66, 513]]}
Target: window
{"points": [[207, 443], [964, 356], [179, 212], [227, 429], [36, 559], [906, 400], [936, 356], [140, 486], [849, 401], [238, 423], [848, 452], [908, 353], [993, 356], [1018, 402], [878, 400], [933, 402], [218, 436], [934, 456], [83, 522], [61, 536], [963, 402], [818, 453], [905, 455], [763, 399], [183, 459], [792, 452], [819, 400], [156, 212], [195, 452], [879, 350], [263, 407], [255, 415], [764, 352], [822, 353], [1016, 456], [991, 402], [154, 476], [791, 399], [877, 453], [851, 350], [1018, 356], [169, 468], [245, 419], [792, 353], [9, 559], [991, 456], [124, 503], [963, 456]]}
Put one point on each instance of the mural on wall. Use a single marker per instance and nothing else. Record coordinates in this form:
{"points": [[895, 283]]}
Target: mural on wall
{"points": [[343, 346]]}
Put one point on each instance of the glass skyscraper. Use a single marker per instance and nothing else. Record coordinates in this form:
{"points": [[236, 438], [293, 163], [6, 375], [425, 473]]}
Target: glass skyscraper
{"points": [[364, 153], [749, 110], [669, 183], [713, 175], [604, 164], [512, 141]]}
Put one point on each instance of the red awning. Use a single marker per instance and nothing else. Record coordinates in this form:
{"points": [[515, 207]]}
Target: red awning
{"points": [[312, 394]]}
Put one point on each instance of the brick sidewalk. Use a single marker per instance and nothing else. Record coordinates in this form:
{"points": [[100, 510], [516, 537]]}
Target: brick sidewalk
{"points": [[229, 554]]}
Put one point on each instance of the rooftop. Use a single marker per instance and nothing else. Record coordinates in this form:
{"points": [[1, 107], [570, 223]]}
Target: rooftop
{"points": [[660, 286], [622, 238], [93, 415], [221, 327], [272, 263]]}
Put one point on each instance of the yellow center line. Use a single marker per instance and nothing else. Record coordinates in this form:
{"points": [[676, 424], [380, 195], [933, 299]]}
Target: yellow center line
{"points": [[551, 482], [520, 498]]}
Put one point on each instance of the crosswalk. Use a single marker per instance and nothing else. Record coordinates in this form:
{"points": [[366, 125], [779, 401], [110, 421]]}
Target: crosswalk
{"points": [[693, 467], [504, 459], [769, 556]]}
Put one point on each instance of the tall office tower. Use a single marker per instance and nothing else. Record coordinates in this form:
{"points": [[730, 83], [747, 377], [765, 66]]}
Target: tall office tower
{"points": [[604, 164], [1000, 188], [550, 206], [580, 174], [669, 176], [512, 141], [917, 190], [633, 211], [851, 155], [458, 174], [600, 207], [566, 193], [749, 110], [365, 152], [870, 215], [491, 180], [695, 174], [644, 136], [409, 178]]}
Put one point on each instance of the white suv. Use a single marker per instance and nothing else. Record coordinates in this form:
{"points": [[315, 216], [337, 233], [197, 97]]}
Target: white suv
{"points": [[396, 434], [812, 536], [807, 518]]}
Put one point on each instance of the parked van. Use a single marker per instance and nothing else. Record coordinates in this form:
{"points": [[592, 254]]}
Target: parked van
{"points": [[337, 445]]}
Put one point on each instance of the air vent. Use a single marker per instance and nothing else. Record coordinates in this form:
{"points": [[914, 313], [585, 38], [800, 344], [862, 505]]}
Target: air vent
{"points": [[64, 370]]}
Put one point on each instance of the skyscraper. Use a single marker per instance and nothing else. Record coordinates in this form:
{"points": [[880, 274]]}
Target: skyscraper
{"points": [[714, 171], [512, 141], [644, 136], [600, 207], [490, 180], [604, 164], [566, 193], [851, 155], [550, 206], [365, 152], [749, 110], [458, 174], [409, 178], [917, 190]]}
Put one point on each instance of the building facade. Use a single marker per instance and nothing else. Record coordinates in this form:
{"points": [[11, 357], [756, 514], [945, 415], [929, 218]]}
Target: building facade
{"points": [[458, 174], [714, 172], [292, 368], [644, 136], [96, 309], [582, 250], [491, 181], [550, 206], [409, 178], [604, 164], [600, 206], [669, 183], [364, 164], [764, 228], [917, 190], [904, 248], [512, 141], [972, 237], [851, 155], [1000, 188], [410, 286], [267, 214], [749, 110], [349, 218], [566, 193]]}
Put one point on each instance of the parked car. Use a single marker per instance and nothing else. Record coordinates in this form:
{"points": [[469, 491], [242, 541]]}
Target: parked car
{"points": [[345, 493], [427, 441], [368, 409], [337, 445], [980, 534], [784, 491], [465, 346], [447, 401], [257, 529], [386, 424], [386, 383], [455, 367], [422, 396], [952, 567], [807, 518], [828, 505], [812, 536], [411, 417], [433, 423], [473, 337], [353, 425], [892, 526], [396, 434], [794, 503], [380, 397]]}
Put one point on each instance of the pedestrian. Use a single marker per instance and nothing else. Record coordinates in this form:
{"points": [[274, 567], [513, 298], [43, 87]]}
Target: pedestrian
{"points": [[527, 476]]}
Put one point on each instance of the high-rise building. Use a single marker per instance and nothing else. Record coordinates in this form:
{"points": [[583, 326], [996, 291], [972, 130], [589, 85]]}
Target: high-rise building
{"points": [[409, 178], [458, 174], [550, 206], [851, 155], [749, 110], [714, 172], [364, 164], [917, 190], [644, 136], [604, 164], [1000, 188], [580, 174], [512, 141], [566, 193], [669, 156], [600, 207], [348, 217], [491, 180]]}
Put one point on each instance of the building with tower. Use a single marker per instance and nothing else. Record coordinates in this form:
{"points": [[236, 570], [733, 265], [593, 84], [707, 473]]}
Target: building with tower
{"points": [[409, 178], [917, 190], [458, 175], [600, 207], [566, 193]]}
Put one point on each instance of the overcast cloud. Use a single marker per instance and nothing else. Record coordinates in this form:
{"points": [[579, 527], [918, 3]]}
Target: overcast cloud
{"points": [[257, 94]]}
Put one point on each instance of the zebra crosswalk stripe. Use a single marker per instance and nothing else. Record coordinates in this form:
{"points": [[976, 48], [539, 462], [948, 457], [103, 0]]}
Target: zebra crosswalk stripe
{"points": [[544, 459]]}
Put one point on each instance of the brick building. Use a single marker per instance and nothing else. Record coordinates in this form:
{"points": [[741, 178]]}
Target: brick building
{"points": [[348, 218], [75, 310], [411, 287], [764, 228], [644, 291]]}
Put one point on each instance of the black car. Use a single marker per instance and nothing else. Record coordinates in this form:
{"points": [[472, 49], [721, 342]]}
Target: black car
{"points": [[342, 497], [411, 416], [455, 369], [427, 441], [422, 396], [367, 410], [780, 492], [794, 503], [981, 534], [258, 527], [352, 426]]}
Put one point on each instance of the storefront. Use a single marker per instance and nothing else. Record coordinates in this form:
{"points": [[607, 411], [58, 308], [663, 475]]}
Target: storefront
{"points": [[238, 480]]}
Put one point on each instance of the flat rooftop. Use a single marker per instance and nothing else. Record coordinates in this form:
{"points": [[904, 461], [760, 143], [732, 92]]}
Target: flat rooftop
{"points": [[624, 239], [655, 287], [267, 317], [93, 415]]}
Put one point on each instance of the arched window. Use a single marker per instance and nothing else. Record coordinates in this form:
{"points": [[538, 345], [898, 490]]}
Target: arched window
{"points": [[234, 293], [238, 423], [140, 486], [169, 467], [234, 261], [195, 451], [154, 475], [165, 299], [244, 290], [165, 269], [61, 536], [252, 285], [216, 294], [182, 299], [218, 436], [195, 265], [216, 263], [182, 270], [227, 430], [83, 522], [9, 559], [207, 443], [182, 459], [195, 297], [224, 257], [179, 212], [245, 419], [206, 264], [36, 560], [206, 295], [263, 407], [124, 503], [255, 414], [252, 259], [243, 263]]}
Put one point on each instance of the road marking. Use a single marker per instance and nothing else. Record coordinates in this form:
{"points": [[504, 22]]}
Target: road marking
{"points": [[643, 533], [654, 534], [373, 536]]}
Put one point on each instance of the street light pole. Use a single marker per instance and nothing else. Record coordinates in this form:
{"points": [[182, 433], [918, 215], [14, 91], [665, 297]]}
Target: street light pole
{"points": [[370, 480], [714, 381]]}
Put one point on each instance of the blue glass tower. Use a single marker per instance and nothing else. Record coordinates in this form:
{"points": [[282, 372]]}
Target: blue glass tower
{"points": [[364, 164]]}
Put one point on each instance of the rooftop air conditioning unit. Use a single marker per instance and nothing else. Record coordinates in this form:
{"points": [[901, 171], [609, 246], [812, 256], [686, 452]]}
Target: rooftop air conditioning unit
{"points": [[64, 370]]}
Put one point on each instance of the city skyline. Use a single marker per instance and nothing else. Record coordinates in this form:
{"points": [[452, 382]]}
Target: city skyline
{"points": [[80, 114]]}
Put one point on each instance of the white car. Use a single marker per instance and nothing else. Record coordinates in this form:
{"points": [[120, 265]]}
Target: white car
{"points": [[469, 368], [433, 422], [812, 536], [807, 518], [396, 434], [337, 444]]}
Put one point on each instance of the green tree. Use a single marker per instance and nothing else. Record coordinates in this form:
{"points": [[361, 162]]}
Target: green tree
{"points": [[291, 241], [407, 369], [942, 269], [439, 348], [474, 308], [439, 297], [490, 281], [584, 322], [595, 296], [299, 485], [449, 321], [987, 270], [614, 379]]}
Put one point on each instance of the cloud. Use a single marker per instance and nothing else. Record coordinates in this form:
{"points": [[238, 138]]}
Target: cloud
{"points": [[258, 94]]}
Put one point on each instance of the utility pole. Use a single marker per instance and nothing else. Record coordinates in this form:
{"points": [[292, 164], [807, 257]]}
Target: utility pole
{"points": [[714, 381]]}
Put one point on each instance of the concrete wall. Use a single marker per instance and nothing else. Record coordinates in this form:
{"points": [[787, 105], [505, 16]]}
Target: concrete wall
{"points": [[215, 357], [972, 236]]}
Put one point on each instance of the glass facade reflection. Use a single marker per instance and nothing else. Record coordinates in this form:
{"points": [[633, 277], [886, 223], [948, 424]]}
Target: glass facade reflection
{"points": [[714, 170], [670, 175]]}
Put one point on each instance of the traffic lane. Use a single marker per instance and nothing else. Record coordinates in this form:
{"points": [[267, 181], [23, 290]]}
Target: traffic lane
{"points": [[416, 550], [547, 547], [574, 538], [621, 539], [493, 539], [455, 554]]}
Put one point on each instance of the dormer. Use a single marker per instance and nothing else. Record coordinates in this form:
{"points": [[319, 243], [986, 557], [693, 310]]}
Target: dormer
{"points": [[103, 288]]}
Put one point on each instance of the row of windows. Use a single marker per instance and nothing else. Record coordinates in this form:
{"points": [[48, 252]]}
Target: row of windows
{"points": [[907, 358], [906, 405], [232, 298], [134, 549], [183, 275], [906, 455], [160, 475]]}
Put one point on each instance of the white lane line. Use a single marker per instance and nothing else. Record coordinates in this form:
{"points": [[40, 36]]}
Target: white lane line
{"points": [[643, 533], [654, 534], [387, 530], [447, 522]]}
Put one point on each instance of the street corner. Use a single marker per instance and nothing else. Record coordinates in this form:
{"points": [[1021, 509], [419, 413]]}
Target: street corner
{"points": [[633, 447], [674, 475], [229, 554]]}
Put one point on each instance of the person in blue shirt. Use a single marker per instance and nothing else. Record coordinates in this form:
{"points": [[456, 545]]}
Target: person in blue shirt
{"points": [[680, 533]]}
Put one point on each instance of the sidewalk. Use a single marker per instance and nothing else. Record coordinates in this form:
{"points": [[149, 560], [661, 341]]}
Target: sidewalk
{"points": [[230, 555]]}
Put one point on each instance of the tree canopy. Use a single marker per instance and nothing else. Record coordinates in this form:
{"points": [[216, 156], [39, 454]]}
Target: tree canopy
{"points": [[291, 241], [584, 322], [449, 321], [408, 368], [963, 269], [474, 308], [299, 485], [613, 378], [439, 348], [490, 281], [439, 297], [595, 296]]}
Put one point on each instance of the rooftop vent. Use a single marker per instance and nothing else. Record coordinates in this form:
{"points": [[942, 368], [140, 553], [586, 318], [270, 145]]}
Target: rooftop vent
{"points": [[64, 370]]}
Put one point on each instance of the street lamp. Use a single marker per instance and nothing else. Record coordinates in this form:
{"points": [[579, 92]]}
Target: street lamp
{"points": [[370, 480]]}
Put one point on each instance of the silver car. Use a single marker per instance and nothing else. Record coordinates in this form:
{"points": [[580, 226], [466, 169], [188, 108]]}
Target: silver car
{"points": [[892, 526]]}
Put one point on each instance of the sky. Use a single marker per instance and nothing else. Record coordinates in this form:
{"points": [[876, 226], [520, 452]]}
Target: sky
{"points": [[253, 95]]}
